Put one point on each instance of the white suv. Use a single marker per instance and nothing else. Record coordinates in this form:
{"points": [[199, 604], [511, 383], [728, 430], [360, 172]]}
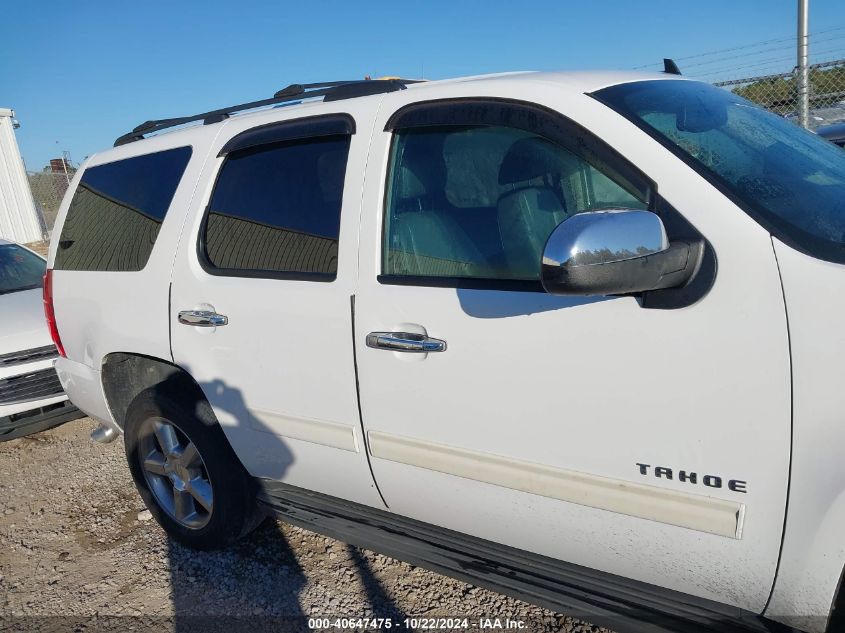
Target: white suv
{"points": [[574, 336]]}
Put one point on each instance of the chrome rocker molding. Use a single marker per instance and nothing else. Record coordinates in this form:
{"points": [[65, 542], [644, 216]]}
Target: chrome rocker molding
{"points": [[604, 599]]}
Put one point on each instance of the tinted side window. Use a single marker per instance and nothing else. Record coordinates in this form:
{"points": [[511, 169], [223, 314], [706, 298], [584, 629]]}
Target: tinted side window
{"points": [[275, 210], [117, 210], [479, 202]]}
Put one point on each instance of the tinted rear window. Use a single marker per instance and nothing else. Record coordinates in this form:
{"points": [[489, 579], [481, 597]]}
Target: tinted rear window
{"points": [[275, 210], [117, 210]]}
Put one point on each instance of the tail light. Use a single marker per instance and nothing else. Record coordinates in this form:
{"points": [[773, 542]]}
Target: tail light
{"points": [[50, 314]]}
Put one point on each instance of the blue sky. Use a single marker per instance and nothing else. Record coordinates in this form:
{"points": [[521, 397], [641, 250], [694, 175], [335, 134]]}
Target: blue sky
{"points": [[80, 74]]}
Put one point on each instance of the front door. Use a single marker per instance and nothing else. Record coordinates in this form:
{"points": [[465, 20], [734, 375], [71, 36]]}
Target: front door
{"points": [[650, 443], [261, 312]]}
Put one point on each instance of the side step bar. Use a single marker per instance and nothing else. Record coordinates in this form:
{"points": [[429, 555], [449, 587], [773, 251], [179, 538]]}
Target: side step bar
{"points": [[597, 597]]}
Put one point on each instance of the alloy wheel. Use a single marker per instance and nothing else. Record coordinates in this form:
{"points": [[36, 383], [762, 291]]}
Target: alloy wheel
{"points": [[175, 473]]}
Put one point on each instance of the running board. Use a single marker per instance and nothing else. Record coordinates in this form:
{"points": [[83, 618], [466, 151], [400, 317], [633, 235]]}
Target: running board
{"points": [[603, 599]]}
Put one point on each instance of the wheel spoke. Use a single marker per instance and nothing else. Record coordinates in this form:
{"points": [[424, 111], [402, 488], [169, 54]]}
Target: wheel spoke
{"points": [[154, 463], [183, 505], [175, 472], [191, 456], [166, 436], [200, 490]]}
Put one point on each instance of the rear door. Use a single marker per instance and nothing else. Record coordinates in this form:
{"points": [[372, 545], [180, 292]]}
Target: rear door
{"points": [[261, 301], [649, 443]]}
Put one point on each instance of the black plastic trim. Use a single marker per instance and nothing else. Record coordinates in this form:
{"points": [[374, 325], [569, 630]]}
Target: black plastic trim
{"points": [[598, 597], [364, 89], [41, 419], [670, 67], [30, 386], [467, 283], [293, 92], [678, 228], [665, 269], [32, 355], [335, 124]]}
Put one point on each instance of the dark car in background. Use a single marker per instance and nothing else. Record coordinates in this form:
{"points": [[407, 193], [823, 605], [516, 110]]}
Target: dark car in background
{"points": [[834, 133], [31, 396]]}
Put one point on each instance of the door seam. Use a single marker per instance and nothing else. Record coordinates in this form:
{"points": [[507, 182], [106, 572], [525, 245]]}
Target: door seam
{"points": [[791, 428], [364, 438]]}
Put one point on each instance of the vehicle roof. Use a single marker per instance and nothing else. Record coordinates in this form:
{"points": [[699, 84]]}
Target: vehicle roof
{"points": [[583, 81], [578, 80]]}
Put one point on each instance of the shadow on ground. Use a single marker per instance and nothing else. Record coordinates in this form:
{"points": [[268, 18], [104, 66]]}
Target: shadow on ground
{"points": [[258, 583]]}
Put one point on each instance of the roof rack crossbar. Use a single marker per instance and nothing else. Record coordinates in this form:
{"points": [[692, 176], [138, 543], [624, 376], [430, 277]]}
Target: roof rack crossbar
{"points": [[293, 92]]}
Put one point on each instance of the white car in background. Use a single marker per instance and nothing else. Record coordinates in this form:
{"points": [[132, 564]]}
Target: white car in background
{"points": [[31, 396]]}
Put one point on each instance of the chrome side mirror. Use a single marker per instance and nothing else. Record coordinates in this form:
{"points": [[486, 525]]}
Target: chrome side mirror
{"points": [[615, 251]]}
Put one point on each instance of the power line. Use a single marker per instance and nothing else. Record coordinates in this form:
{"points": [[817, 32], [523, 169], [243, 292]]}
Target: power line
{"points": [[723, 50], [744, 47], [769, 62], [734, 69], [760, 52]]}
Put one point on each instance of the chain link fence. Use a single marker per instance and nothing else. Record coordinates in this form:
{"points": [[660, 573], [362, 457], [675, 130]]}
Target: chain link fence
{"points": [[48, 189], [779, 93]]}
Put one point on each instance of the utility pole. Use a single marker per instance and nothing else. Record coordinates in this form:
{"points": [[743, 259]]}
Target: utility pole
{"points": [[65, 163], [802, 69]]}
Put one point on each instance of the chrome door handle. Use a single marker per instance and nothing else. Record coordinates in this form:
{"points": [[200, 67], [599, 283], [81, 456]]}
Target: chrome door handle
{"points": [[202, 318], [405, 342]]}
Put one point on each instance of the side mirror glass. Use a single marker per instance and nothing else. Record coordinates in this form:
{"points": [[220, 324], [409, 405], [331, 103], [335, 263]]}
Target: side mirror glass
{"points": [[615, 251]]}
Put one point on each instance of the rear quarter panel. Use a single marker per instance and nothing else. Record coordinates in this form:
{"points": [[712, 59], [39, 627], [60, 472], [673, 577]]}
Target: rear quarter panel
{"points": [[99, 312]]}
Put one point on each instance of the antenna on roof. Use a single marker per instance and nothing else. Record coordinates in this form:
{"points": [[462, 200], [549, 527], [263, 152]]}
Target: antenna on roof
{"points": [[670, 67]]}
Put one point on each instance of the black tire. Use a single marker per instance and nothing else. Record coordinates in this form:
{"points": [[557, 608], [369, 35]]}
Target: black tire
{"points": [[234, 513]]}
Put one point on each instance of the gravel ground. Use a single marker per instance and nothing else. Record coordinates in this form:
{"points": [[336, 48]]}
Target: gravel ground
{"points": [[76, 542]]}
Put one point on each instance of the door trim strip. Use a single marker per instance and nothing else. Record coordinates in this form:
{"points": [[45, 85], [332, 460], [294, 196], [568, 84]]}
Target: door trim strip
{"points": [[331, 434], [696, 512]]}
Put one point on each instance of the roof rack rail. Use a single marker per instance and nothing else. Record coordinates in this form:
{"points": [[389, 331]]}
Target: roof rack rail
{"points": [[330, 91]]}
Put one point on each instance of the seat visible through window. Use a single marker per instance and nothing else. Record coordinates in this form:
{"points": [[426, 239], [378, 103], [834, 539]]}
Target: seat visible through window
{"points": [[479, 202], [532, 204]]}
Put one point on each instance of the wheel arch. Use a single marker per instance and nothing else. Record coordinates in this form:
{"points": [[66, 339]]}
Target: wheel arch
{"points": [[126, 375]]}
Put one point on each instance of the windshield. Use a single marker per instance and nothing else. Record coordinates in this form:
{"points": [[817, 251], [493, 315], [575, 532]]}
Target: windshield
{"points": [[20, 269], [790, 180]]}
